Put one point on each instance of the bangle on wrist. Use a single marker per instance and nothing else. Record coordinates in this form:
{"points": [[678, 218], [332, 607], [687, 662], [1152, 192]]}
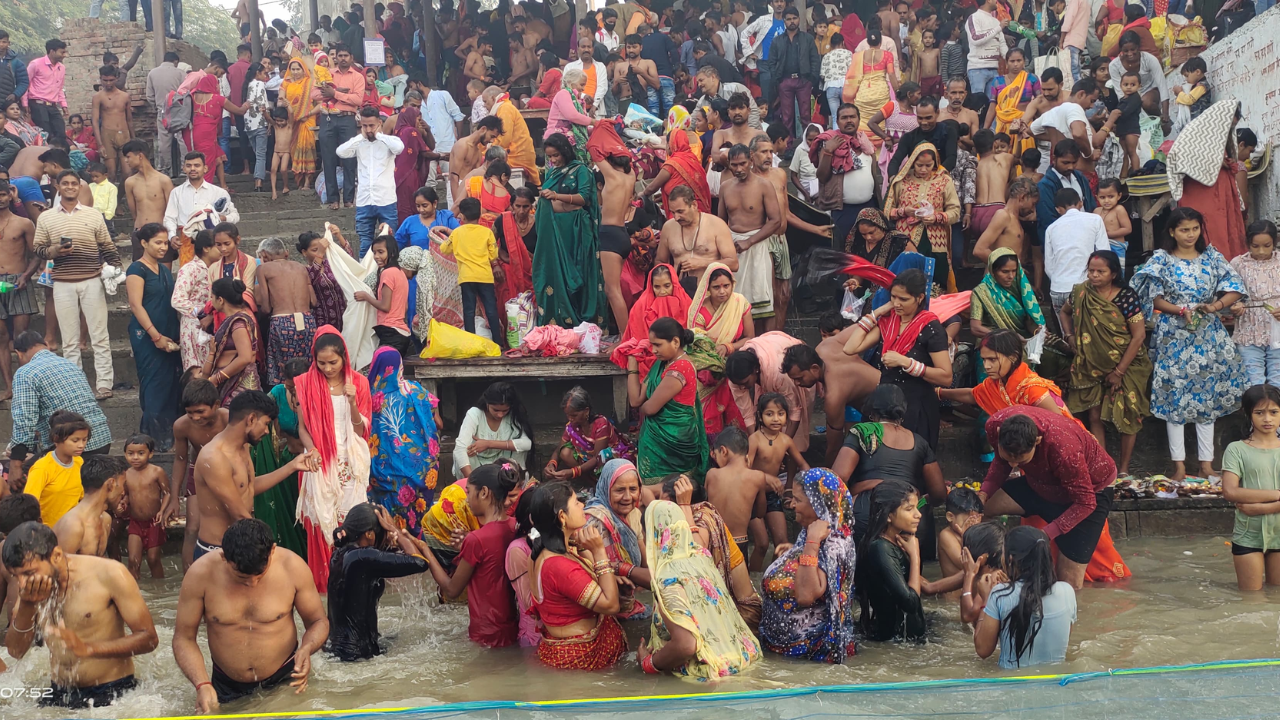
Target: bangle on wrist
{"points": [[809, 560], [647, 665], [966, 594], [200, 685]]}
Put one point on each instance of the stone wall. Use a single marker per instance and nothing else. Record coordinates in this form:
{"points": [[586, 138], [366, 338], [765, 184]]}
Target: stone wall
{"points": [[87, 39]]}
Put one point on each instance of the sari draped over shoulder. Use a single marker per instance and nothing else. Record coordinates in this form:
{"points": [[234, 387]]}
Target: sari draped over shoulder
{"points": [[411, 165], [1102, 338], [908, 191], [690, 593], [246, 379], [1007, 111], [621, 534], [1006, 308], [686, 169], [566, 265], [297, 96], [725, 325], [674, 439], [721, 326], [515, 261], [403, 442], [1022, 387], [649, 307], [726, 555]]}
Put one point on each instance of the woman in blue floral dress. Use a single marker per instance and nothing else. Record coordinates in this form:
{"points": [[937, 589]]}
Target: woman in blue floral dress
{"points": [[404, 442], [1199, 373]]}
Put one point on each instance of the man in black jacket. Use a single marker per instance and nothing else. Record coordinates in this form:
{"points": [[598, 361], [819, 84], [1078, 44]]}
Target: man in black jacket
{"points": [[943, 135], [793, 64]]}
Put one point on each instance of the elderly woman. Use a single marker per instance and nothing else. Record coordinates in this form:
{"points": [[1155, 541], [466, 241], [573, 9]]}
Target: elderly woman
{"points": [[695, 633], [1004, 299], [568, 116], [922, 202], [615, 512], [808, 590]]}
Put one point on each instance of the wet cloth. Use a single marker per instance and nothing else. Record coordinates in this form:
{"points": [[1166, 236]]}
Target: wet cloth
{"points": [[727, 555], [689, 592], [518, 566], [229, 689], [76, 698], [1258, 469], [621, 535], [823, 632], [450, 513], [685, 168], [755, 275], [1102, 337], [290, 337], [566, 269], [674, 439], [404, 443], [247, 378], [491, 603], [151, 533], [278, 506], [564, 590]]}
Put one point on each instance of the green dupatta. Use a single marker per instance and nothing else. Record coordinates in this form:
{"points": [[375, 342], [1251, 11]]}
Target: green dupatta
{"points": [[566, 262], [672, 441], [277, 506], [1007, 309]]}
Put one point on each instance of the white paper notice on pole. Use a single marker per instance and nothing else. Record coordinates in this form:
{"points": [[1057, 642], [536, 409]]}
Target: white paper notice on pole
{"points": [[375, 52]]}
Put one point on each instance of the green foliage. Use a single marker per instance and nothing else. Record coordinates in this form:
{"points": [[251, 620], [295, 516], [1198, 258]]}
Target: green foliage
{"points": [[31, 22]]}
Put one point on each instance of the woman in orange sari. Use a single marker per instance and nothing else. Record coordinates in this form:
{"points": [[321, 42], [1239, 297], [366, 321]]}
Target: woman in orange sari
{"points": [[493, 191], [1011, 382], [1010, 94], [683, 167], [295, 94]]}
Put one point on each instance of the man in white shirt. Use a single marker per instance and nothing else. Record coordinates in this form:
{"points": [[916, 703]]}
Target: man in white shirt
{"points": [[193, 197], [607, 36], [375, 155], [586, 48], [327, 32], [1068, 121], [1068, 243], [442, 115], [986, 45]]}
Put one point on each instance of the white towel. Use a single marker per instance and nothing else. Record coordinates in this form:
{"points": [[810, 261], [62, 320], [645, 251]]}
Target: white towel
{"points": [[359, 318], [755, 275]]}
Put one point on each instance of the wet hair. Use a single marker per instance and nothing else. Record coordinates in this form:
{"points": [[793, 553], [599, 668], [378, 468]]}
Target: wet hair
{"points": [[490, 122], [669, 329], [64, 423], [134, 147], [393, 254], [738, 151], [252, 401], [1252, 398], [293, 367], [740, 364], [913, 281], [247, 545], [1113, 264], [229, 290], [833, 322], [57, 157], [469, 209], [1261, 227], [681, 192], [1003, 341], [546, 503], [886, 498], [1030, 158], [141, 439], [305, 239], [1023, 187], [200, 392], [1001, 138], [499, 478], [1111, 184], [886, 403], [1018, 435], [768, 399], [1176, 218], [798, 356], [16, 509], [504, 393], [1028, 562], [1066, 198], [732, 439], [561, 145], [360, 519], [963, 500], [985, 538], [32, 540], [98, 469]]}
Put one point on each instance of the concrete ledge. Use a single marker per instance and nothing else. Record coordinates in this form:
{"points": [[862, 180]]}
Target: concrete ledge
{"points": [[1172, 518]]}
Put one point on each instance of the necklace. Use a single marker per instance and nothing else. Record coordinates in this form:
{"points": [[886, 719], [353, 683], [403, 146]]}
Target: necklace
{"points": [[770, 439], [698, 229]]}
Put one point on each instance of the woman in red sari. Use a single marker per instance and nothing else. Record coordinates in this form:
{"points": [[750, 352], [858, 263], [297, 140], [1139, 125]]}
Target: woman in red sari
{"points": [[493, 191], [206, 121], [514, 259], [412, 164], [662, 297], [683, 167]]}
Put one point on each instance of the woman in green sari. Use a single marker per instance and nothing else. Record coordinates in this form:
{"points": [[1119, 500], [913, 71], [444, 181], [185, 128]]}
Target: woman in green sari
{"points": [[1004, 300], [278, 506], [673, 438], [566, 264]]}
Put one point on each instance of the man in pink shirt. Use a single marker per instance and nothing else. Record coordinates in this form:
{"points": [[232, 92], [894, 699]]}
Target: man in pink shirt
{"points": [[339, 103], [46, 96], [1075, 27], [236, 78]]}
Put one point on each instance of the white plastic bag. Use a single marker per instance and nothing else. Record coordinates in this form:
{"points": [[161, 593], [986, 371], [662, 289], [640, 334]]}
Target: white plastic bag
{"points": [[482, 327], [1035, 346], [851, 306], [589, 335], [520, 318]]}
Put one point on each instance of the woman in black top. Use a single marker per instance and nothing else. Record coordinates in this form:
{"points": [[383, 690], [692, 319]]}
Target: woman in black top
{"points": [[913, 350], [357, 576], [875, 241]]}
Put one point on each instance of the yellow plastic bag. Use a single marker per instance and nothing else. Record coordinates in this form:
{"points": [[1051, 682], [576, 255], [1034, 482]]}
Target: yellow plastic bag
{"points": [[1158, 30], [1110, 40], [448, 342]]}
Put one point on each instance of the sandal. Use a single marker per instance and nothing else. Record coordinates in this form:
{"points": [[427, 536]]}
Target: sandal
{"points": [[103, 394]]}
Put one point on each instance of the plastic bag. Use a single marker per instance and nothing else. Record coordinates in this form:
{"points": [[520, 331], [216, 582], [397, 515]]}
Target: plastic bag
{"points": [[1035, 346], [851, 307], [520, 317], [588, 338], [482, 327], [637, 118], [446, 341], [112, 276]]}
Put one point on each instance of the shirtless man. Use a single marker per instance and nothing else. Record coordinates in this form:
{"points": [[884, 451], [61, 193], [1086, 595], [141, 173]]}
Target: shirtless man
{"points": [[1005, 228], [85, 529], [203, 419], [737, 133], [468, 153], [994, 172], [90, 655], [246, 595], [957, 91], [243, 20], [225, 480], [1049, 98], [749, 204], [18, 264], [146, 190], [615, 241], [691, 240], [283, 290], [890, 21], [762, 165], [476, 68], [645, 70], [524, 63], [25, 174], [846, 381], [112, 118]]}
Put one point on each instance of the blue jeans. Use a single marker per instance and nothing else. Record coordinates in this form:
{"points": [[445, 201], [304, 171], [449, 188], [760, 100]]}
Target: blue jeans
{"points": [[766, 85], [172, 9], [129, 11], [654, 103], [1261, 364], [472, 291], [224, 142], [1262, 6], [835, 97], [335, 130], [258, 140], [368, 217], [668, 88], [1075, 63], [979, 77]]}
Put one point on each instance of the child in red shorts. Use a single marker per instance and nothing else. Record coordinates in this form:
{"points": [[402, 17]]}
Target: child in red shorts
{"points": [[147, 490]]}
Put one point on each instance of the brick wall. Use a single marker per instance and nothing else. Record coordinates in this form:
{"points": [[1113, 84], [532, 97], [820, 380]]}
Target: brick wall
{"points": [[87, 39]]}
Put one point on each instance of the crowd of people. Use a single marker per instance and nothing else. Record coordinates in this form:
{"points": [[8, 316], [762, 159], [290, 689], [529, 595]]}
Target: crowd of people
{"points": [[911, 142]]}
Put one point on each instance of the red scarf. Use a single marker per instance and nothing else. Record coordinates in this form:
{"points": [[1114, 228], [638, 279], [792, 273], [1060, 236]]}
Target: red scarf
{"points": [[685, 168], [518, 270], [902, 342], [316, 407], [649, 307]]}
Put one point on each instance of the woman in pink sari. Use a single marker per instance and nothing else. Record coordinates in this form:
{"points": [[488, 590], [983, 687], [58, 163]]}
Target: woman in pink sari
{"points": [[206, 121], [412, 164]]}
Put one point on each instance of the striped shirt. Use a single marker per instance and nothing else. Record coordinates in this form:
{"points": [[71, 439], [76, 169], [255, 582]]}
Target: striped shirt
{"points": [[91, 242], [43, 386]]}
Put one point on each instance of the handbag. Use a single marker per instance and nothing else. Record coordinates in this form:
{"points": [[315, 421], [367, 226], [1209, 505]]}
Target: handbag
{"points": [[1060, 60]]}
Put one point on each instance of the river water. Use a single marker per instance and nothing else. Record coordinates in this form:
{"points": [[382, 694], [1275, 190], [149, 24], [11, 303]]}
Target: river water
{"points": [[1181, 607]]}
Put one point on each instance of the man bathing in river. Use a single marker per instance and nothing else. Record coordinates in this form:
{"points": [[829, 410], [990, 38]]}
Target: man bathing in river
{"points": [[83, 604], [846, 380], [86, 528], [246, 595], [191, 432], [225, 481]]}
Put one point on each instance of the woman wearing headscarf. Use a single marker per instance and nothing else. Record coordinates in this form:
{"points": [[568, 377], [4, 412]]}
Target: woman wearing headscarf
{"points": [[615, 512], [566, 271], [875, 240], [403, 442], [808, 591], [335, 410], [206, 120], [922, 202], [412, 165], [662, 297], [719, 312], [1202, 175], [295, 94], [683, 167], [331, 302], [695, 633]]}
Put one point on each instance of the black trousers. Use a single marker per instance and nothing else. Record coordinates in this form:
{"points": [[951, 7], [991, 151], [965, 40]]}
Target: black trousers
{"points": [[335, 130], [484, 291], [49, 117]]}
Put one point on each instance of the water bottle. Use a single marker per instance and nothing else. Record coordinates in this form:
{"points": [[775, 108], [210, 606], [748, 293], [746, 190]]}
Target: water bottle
{"points": [[7, 287]]}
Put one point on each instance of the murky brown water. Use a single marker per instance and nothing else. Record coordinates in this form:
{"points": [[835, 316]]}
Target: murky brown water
{"points": [[1178, 609]]}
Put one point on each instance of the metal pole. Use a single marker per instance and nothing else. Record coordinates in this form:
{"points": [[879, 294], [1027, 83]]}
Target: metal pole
{"points": [[255, 30], [314, 7], [158, 26]]}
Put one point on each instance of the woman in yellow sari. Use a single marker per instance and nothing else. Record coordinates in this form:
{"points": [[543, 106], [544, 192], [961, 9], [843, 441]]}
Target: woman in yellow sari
{"points": [[923, 204], [1010, 94], [721, 321], [295, 94], [697, 632], [871, 81]]}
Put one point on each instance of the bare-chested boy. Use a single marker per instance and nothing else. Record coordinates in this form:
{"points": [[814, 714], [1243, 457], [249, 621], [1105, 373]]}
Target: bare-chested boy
{"points": [[645, 70], [995, 170], [615, 241], [203, 419], [246, 595], [146, 190], [770, 448], [86, 528], [749, 204], [112, 120], [468, 153], [18, 264], [736, 489], [1006, 226], [691, 240], [524, 63], [147, 488], [225, 480], [91, 655], [283, 290], [846, 381]]}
